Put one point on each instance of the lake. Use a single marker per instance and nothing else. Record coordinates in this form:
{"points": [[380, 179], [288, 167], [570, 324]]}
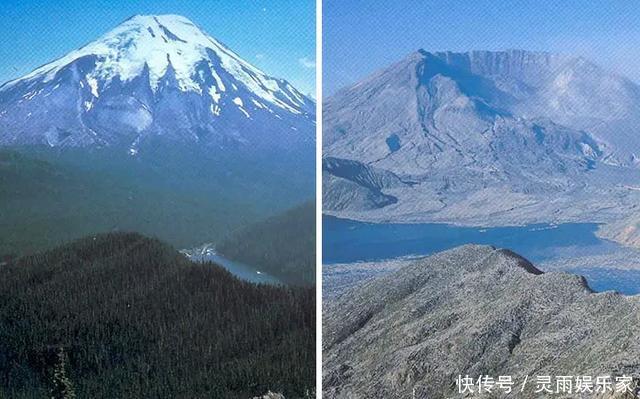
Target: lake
{"points": [[348, 241], [206, 253]]}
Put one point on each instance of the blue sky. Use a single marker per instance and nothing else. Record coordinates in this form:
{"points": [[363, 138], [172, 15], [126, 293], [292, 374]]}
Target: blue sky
{"points": [[276, 36], [361, 36]]}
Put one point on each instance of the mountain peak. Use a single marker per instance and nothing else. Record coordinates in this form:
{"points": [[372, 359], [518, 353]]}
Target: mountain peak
{"points": [[509, 52], [159, 41], [529, 123], [151, 74], [497, 58], [165, 18]]}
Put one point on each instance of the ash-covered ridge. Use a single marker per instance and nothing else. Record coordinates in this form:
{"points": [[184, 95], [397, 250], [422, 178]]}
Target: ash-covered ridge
{"points": [[473, 310]]}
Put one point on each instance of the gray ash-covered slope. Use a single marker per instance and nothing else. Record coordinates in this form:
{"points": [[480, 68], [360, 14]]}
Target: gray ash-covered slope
{"points": [[625, 230], [354, 185], [473, 310], [455, 124], [155, 77]]}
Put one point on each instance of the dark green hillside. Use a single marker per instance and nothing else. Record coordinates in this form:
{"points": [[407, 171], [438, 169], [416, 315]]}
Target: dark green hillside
{"points": [[18, 172], [123, 316], [283, 245], [180, 195]]}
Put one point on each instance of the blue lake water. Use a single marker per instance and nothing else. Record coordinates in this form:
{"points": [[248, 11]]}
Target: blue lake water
{"points": [[601, 279], [347, 241], [240, 270]]}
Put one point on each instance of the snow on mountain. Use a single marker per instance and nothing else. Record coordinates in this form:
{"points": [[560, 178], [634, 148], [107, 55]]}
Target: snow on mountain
{"points": [[526, 126], [151, 76]]}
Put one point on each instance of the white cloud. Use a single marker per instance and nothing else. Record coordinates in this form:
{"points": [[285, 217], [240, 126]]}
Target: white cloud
{"points": [[307, 62], [260, 56]]}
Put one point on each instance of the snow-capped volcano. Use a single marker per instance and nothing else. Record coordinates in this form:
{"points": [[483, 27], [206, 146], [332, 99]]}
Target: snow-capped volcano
{"points": [[153, 76]]}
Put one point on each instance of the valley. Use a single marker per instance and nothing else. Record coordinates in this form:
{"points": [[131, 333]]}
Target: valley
{"points": [[283, 245], [207, 253], [52, 196], [480, 202]]}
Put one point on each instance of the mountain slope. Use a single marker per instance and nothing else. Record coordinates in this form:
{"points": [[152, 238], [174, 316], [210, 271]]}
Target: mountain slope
{"points": [[354, 185], [155, 127], [283, 245], [154, 76], [49, 197], [625, 231], [137, 319], [455, 124], [473, 310]]}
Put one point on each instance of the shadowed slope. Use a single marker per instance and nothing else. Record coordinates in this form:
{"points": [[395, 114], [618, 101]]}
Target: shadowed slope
{"points": [[283, 245]]}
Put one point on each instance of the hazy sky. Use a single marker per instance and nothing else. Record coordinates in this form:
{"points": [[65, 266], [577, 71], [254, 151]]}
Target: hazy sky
{"points": [[276, 36], [361, 36]]}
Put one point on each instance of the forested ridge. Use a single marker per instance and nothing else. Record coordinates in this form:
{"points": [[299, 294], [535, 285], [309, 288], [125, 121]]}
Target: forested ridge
{"points": [[123, 316], [50, 197], [283, 245]]}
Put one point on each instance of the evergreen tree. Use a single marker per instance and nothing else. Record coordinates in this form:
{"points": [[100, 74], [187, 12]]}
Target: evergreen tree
{"points": [[142, 321]]}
